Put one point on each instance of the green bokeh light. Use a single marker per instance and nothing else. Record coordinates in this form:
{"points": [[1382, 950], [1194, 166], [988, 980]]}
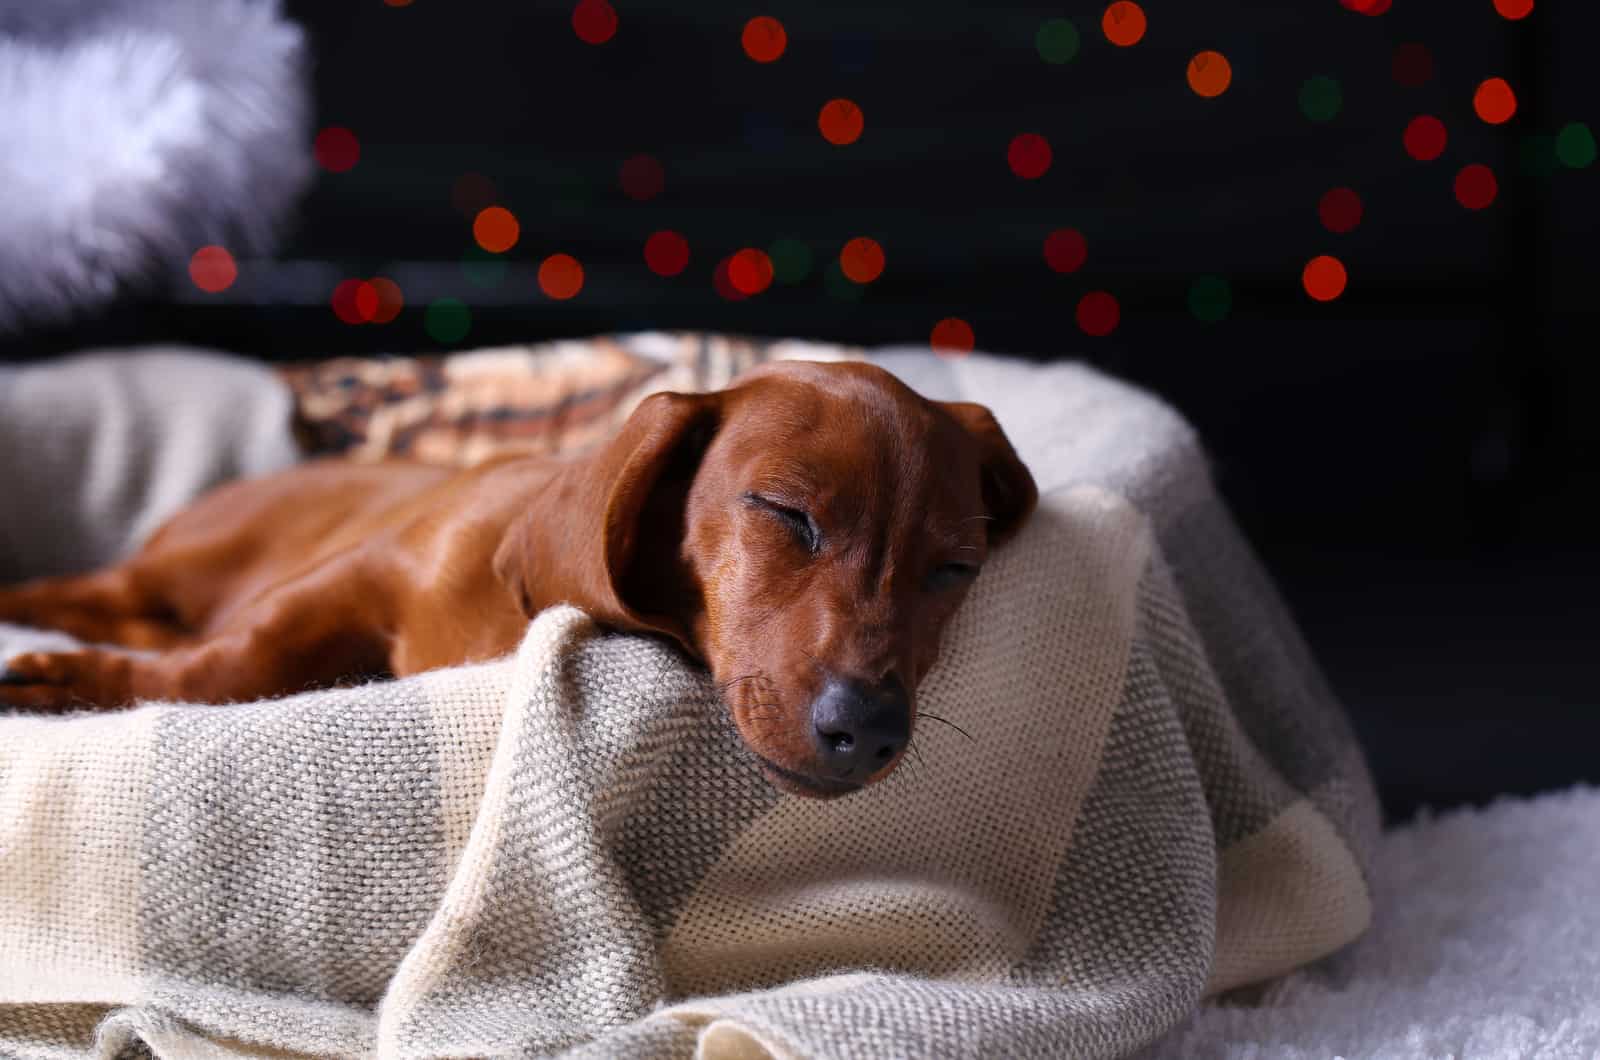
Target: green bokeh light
{"points": [[1057, 41], [840, 286], [448, 320], [1210, 298], [791, 260], [482, 268], [1321, 98], [1539, 155], [570, 194], [1575, 146]]}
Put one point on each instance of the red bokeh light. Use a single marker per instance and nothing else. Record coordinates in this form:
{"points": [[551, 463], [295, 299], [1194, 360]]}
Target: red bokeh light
{"points": [[1098, 313], [764, 39], [841, 122], [1412, 65], [861, 260], [1514, 9], [1425, 138], [1476, 186], [666, 253], [952, 336], [594, 21], [1368, 7], [1065, 250], [1494, 101], [213, 269], [642, 177], [337, 149], [1029, 156], [750, 271], [1340, 210], [355, 301], [723, 284], [1324, 278]]}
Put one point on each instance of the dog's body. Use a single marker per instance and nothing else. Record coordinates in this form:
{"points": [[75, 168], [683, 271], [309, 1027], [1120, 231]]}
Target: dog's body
{"points": [[806, 533]]}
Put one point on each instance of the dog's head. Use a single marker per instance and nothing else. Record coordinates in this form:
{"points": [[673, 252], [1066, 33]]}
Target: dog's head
{"points": [[807, 533]]}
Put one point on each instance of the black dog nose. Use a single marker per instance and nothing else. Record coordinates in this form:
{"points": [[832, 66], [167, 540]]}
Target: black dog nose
{"points": [[858, 728]]}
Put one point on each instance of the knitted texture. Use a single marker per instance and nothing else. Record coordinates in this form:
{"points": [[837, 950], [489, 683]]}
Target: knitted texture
{"points": [[567, 852]]}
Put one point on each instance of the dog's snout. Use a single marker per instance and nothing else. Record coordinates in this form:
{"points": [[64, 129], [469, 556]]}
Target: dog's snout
{"points": [[858, 727]]}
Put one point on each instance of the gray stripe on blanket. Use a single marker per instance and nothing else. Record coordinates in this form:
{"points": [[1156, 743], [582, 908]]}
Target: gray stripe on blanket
{"points": [[1274, 686], [1243, 789], [650, 774], [314, 879]]}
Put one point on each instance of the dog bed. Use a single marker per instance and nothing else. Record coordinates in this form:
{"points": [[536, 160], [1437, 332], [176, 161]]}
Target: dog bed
{"points": [[136, 133], [564, 852]]}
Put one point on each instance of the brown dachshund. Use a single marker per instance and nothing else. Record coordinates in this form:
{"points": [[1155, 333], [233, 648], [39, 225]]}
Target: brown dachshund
{"points": [[806, 533]]}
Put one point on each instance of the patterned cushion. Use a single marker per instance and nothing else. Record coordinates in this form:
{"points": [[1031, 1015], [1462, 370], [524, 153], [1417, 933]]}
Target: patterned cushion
{"points": [[550, 397]]}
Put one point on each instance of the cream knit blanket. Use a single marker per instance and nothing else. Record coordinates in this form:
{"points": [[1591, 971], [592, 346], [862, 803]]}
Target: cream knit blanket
{"points": [[564, 852]]}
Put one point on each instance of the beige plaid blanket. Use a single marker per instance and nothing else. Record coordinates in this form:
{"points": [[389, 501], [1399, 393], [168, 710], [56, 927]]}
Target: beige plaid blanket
{"points": [[1152, 798]]}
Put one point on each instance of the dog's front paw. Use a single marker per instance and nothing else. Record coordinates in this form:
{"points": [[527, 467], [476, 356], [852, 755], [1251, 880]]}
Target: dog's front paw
{"points": [[62, 681]]}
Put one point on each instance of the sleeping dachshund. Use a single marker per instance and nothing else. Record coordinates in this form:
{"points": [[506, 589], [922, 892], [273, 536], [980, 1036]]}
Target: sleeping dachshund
{"points": [[806, 533]]}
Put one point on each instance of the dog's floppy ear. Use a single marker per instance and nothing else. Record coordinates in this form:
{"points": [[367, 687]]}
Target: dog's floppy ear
{"points": [[1009, 493], [606, 533]]}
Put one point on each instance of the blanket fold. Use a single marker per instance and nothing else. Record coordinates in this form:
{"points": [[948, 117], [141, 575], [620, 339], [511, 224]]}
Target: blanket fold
{"points": [[1147, 796]]}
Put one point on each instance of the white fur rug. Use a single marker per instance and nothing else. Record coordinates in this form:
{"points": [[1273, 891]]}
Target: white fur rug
{"points": [[1486, 943], [135, 132]]}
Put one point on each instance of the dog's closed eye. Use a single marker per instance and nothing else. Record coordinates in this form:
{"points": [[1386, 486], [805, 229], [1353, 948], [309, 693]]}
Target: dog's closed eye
{"points": [[798, 522], [949, 575]]}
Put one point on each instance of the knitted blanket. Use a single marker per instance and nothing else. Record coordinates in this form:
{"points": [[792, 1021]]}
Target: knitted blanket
{"points": [[1151, 797]]}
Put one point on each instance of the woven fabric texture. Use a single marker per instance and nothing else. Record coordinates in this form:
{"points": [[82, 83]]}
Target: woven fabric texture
{"points": [[565, 852]]}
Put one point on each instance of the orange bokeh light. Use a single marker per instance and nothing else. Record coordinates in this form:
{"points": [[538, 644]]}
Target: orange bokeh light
{"points": [[1210, 74], [764, 39], [390, 300], [952, 336], [560, 276], [1514, 9], [750, 271], [1494, 101], [1324, 278], [1124, 23], [861, 260], [496, 229], [841, 122], [213, 269]]}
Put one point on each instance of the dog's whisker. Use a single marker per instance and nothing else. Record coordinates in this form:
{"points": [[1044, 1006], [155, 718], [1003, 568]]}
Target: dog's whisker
{"points": [[945, 721]]}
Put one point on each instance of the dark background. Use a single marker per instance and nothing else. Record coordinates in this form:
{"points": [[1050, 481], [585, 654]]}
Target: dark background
{"points": [[1417, 461]]}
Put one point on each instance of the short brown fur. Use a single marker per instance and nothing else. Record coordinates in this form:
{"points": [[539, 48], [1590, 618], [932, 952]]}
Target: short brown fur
{"points": [[333, 571]]}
